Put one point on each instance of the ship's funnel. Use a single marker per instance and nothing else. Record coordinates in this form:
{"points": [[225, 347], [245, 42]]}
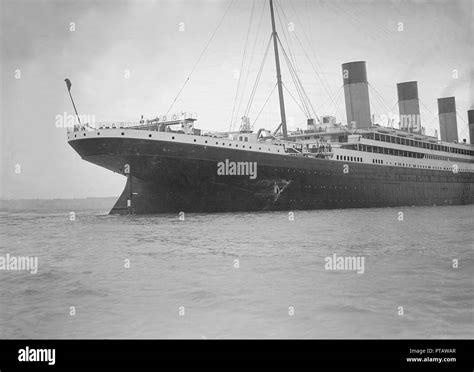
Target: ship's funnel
{"points": [[409, 107], [470, 119], [356, 93], [448, 125]]}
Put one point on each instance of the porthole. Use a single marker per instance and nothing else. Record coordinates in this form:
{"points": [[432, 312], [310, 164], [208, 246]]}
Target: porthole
{"points": [[75, 136], [84, 134], [149, 135], [205, 141], [194, 140], [172, 137], [123, 133]]}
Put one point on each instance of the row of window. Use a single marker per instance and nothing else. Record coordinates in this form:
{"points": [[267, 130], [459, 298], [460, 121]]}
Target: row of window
{"points": [[388, 151], [349, 158], [236, 145], [415, 143], [436, 157], [406, 154], [421, 166], [380, 161]]}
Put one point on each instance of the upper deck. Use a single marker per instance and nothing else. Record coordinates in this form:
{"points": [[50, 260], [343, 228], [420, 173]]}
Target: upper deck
{"points": [[389, 141], [313, 143]]}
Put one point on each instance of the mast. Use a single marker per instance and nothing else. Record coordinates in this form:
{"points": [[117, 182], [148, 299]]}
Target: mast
{"points": [[278, 71]]}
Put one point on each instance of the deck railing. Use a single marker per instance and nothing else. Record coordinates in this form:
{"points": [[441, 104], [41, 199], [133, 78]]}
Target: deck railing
{"points": [[165, 120]]}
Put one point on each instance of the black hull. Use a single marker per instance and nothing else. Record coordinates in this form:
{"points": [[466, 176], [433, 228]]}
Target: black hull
{"points": [[170, 177]]}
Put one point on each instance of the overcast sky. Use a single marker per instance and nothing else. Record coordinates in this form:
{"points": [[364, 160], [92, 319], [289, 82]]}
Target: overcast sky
{"points": [[156, 44]]}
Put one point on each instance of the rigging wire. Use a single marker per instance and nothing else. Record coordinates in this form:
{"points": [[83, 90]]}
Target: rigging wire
{"points": [[300, 84], [464, 130], [339, 111], [336, 101], [393, 106], [266, 101], [200, 57], [432, 118], [326, 102], [293, 68], [382, 111], [283, 31], [323, 79], [295, 82], [379, 97], [427, 109], [242, 65], [291, 61], [250, 63], [324, 85], [294, 99], [376, 107], [357, 22], [257, 80]]}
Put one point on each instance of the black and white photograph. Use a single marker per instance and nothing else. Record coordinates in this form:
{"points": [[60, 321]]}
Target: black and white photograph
{"points": [[237, 170]]}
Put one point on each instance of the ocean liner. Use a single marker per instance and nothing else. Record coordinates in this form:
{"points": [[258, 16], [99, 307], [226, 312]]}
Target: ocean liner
{"points": [[172, 166]]}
